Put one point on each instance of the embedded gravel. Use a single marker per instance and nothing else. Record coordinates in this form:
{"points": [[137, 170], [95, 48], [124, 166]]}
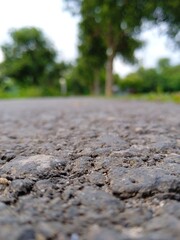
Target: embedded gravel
{"points": [[89, 169]]}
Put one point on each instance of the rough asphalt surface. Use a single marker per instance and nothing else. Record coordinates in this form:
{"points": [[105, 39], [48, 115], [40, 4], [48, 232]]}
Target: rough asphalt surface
{"points": [[73, 169]]}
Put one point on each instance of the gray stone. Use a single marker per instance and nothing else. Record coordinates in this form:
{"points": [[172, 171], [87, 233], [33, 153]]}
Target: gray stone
{"points": [[8, 156], [34, 166], [21, 187], [97, 178], [27, 234], [99, 200], [142, 182], [99, 233]]}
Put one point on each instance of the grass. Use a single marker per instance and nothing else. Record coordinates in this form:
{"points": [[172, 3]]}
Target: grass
{"points": [[32, 92], [21, 93], [157, 97]]}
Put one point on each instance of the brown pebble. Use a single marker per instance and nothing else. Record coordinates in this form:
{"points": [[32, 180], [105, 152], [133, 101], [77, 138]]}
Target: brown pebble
{"points": [[4, 181]]}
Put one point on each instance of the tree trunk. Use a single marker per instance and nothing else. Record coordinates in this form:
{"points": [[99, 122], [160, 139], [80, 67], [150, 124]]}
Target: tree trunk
{"points": [[96, 84], [109, 75]]}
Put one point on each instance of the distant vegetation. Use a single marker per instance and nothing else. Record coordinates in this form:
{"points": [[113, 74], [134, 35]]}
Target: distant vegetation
{"points": [[30, 64], [107, 29], [110, 29], [163, 78]]}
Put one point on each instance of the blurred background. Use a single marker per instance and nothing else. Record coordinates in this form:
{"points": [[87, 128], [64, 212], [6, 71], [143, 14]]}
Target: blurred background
{"points": [[97, 48]]}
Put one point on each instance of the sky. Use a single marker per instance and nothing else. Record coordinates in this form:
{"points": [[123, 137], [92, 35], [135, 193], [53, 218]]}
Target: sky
{"points": [[62, 29]]}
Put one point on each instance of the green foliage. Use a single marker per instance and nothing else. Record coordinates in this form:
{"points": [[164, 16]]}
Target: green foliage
{"points": [[157, 97], [80, 79], [163, 78], [29, 57], [132, 83], [107, 29], [30, 60], [110, 28], [168, 12], [171, 79], [92, 50], [21, 92]]}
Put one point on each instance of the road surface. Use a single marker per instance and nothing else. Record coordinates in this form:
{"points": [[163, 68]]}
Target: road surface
{"points": [[90, 169]]}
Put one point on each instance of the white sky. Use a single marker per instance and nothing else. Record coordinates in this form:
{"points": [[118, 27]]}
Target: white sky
{"points": [[61, 28]]}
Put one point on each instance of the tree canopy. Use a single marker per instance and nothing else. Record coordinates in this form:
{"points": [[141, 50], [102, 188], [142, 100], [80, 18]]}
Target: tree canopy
{"points": [[115, 25], [29, 57]]}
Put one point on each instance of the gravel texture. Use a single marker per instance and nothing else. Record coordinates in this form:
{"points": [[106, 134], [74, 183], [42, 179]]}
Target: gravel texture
{"points": [[89, 169]]}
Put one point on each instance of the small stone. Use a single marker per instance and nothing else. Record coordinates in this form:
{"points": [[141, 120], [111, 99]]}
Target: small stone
{"points": [[21, 187], [74, 236], [97, 178], [8, 157], [39, 236], [34, 166], [98, 233], [99, 200], [27, 234], [4, 181], [2, 206], [138, 130], [142, 182]]}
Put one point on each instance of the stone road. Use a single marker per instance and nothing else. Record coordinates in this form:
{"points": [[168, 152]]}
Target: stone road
{"points": [[89, 169]]}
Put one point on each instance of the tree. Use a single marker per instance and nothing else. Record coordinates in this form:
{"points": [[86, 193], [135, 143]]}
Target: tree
{"points": [[169, 76], [163, 78], [92, 57], [173, 76], [29, 57], [117, 23], [104, 21]]}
